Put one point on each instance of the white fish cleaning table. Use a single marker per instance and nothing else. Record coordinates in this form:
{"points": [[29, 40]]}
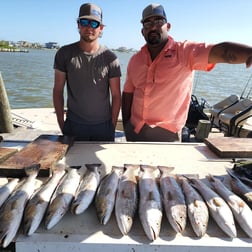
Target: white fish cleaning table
{"points": [[84, 232]]}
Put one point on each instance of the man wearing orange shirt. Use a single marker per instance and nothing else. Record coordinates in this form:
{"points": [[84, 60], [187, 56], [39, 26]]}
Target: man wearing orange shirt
{"points": [[158, 86]]}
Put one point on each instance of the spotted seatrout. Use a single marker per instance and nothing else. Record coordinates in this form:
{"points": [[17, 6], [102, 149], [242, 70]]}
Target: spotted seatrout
{"points": [[241, 211], [87, 189], [218, 208], [7, 189], [197, 210], [127, 198], [240, 188], [173, 199], [63, 196], [12, 211], [150, 204], [106, 194], [37, 205]]}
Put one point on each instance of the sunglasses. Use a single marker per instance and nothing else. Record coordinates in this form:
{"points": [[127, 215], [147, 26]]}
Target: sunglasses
{"points": [[157, 22], [86, 22]]}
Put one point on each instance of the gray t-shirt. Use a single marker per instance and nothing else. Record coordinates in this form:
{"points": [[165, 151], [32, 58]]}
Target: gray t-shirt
{"points": [[88, 93]]}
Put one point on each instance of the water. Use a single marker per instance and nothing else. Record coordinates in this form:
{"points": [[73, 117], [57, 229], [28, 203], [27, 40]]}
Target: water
{"points": [[28, 79]]}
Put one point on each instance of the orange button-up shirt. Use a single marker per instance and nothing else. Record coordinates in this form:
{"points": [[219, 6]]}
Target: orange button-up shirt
{"points": [[162, 88]]}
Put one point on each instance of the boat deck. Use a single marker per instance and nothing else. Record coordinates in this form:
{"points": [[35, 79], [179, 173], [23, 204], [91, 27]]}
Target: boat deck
{"points": [[34, 122], [84, 232]]}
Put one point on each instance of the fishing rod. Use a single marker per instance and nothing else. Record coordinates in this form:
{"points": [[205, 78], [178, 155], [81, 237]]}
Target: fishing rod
{"points": [[245, 88], [249, 89], [195, 80]]}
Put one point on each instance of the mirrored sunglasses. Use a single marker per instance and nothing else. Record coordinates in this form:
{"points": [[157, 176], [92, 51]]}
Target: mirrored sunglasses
{"points": [[93, 23]]}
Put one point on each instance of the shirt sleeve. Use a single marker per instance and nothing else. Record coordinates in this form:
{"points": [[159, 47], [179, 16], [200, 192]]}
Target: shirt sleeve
{"points": [[59, 62], [197, 55]]}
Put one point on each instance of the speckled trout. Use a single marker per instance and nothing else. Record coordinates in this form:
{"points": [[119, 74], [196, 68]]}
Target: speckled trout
{"points": [[106, 194], [12, 211], [218, 208], [173, 199], [63, 196], [197, 210], [87, 189], [127, 198], [37, 205], [7, 189], [150, 204], [241, 211], [240, 188]]}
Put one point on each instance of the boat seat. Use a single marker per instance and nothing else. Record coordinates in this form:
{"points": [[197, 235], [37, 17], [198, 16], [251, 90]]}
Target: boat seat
{"points": [[219, 107], [233, 118]]}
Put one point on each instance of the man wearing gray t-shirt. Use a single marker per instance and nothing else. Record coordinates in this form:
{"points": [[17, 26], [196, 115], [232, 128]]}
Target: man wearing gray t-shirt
{"points": [[92, 74]]}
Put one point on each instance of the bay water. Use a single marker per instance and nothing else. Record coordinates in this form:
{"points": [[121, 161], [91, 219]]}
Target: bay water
{"points": [[28, 79]]}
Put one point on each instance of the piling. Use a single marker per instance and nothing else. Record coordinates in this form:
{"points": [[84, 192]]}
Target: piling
{"points": [[203, 129], [6, 125]]}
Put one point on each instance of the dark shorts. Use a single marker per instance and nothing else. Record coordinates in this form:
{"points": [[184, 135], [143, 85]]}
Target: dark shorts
{"points": [[149, 134], [90, 132]]}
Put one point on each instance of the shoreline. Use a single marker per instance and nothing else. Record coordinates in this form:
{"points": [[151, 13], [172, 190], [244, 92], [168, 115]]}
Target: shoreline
{"points": [[13, 50]]}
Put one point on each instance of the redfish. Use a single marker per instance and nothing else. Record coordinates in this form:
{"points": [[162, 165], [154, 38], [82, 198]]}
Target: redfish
{"points": [[150, 203], [173, 200], [218, 208], [127, 198]]}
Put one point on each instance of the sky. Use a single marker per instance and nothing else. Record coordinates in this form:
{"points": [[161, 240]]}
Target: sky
{"points": [[197, 20]]}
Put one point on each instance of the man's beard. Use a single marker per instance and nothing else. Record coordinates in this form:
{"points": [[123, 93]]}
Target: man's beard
{"points": [[153, 38], [87, 39]]}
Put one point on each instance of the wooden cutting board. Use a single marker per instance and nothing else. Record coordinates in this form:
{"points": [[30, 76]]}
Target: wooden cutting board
{"points": [[6, 153], [45, 150], [230, 147]]}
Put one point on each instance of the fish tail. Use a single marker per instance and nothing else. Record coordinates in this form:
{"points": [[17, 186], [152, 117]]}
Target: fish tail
{"points": [[93, 166], [118, 169], [165, 169], [58, 168], [32, 170], [148, 167], [131, 166], [231, 173], [135, 167]]}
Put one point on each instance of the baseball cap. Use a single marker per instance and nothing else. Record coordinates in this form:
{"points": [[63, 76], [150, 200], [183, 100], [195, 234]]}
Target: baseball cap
{"points": [[91, 11], [153, 10]]}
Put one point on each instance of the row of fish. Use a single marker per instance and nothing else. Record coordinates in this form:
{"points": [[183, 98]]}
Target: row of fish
{"points": [[154, 190], [20, 201], [150, 190]]}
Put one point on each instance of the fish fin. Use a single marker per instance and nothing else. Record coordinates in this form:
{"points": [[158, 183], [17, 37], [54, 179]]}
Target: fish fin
{"points": [[32, 170], [126, 194], [217, 202], [191, 176], [195, 202], [150, 196], [169, 196]]}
